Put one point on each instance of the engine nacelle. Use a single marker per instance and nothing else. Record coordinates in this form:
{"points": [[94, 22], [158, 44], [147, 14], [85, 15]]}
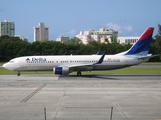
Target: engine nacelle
{"points": [[61, 70]]}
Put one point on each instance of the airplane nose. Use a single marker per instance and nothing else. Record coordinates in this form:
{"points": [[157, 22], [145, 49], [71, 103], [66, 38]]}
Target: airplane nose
{"points": [[6, 66]]}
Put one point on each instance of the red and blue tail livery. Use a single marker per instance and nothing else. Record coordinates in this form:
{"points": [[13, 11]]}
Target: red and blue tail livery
{"points": [[141, 47]]}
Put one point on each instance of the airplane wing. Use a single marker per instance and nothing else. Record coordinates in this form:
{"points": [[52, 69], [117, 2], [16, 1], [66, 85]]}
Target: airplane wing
{"points": [[87, 66], [81, 67]]}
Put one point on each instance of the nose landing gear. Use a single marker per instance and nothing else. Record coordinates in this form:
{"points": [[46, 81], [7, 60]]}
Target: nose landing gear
{"points": [[18, 74]]}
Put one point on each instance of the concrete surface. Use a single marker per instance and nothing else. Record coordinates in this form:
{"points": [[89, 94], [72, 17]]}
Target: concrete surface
{"points": [[90, 97]]}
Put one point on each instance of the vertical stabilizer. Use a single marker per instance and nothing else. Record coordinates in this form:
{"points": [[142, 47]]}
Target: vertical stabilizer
{"points": [[141, 47]]}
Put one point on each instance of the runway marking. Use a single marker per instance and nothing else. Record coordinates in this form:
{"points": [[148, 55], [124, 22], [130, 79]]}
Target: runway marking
{"points": [[87, 107], [115, 103], [61, 100], [33, 93]]}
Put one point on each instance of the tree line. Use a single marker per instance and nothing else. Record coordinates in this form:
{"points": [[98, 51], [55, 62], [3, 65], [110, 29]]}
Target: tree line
{"points": [[11, 47]]}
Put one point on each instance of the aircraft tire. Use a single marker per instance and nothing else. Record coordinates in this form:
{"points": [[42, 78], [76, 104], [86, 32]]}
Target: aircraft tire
{"points": [[79, 73], [18, 74]]}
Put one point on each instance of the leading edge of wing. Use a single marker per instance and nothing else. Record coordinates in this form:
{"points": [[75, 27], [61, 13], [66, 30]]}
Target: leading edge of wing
{"points": [[88, 64]]}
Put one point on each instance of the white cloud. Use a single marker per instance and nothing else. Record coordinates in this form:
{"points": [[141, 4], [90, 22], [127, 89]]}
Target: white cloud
{"points": [[119, 28], [128, 28], [71, 32], [113, 26]]}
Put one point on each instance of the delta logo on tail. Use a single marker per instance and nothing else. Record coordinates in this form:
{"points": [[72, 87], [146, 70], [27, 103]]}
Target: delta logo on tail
{"points": [[142, 46]]}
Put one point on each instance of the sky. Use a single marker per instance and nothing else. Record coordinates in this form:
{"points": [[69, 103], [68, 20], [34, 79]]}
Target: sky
{"points": [[69, 17]]}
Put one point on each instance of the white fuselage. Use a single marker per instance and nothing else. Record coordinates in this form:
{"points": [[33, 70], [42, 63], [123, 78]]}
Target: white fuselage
{"points": [[47, 63]]}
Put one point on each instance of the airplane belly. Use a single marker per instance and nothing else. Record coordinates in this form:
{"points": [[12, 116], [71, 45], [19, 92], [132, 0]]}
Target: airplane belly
{"points": [[39, 68], [31, 67]]}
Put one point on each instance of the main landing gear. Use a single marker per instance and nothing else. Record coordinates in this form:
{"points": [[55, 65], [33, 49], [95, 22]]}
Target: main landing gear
{"points": [[18, 74], [79, 73]]}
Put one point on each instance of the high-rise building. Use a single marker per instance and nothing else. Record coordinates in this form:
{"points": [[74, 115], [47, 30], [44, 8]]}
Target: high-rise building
{"points": [[41, 33], [7, 28]]}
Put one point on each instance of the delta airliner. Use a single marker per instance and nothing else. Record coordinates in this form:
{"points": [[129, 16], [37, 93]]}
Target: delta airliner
{"points": [[65, 64]]}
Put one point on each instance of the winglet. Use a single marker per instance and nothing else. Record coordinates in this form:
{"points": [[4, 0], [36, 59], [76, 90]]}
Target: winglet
{"points": [[101, 59]]}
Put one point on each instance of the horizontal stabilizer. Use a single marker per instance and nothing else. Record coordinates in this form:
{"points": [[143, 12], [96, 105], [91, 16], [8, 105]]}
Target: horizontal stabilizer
{"points": [[145, 57], [98, 53]]}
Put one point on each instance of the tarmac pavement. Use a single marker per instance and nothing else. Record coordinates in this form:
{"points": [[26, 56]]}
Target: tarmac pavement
{"points": [[90, 97]]}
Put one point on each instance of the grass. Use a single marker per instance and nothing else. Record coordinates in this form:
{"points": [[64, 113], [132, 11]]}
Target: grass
{"points": [[129, 70]]}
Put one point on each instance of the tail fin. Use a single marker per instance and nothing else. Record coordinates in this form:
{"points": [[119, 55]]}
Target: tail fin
{"points": [[141, 47]]}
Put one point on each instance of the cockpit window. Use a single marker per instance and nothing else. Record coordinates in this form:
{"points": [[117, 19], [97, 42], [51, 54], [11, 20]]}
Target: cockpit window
{"points": [[11, 61]]}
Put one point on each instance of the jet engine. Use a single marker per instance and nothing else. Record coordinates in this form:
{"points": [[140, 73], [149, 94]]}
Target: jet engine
{"points": [[61, 70]]}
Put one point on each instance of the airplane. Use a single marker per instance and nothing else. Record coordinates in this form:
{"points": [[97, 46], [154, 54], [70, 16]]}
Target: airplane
{"points": [[65, 64]]}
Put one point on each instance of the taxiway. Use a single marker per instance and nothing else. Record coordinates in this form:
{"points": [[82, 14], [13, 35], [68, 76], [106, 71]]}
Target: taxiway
{"points": [[88, 97]]}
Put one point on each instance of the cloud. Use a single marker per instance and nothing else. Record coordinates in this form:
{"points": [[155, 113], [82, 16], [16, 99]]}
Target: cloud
{"points": [[71, 32], [113, 26], [119, 28], [128, 28]]}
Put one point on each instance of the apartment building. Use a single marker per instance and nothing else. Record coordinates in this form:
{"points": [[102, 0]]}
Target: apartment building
{"points": [[104, 36], [41, 32], [7, 28]]}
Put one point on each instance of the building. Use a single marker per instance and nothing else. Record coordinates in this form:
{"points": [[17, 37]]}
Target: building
{"points": [[104, 36], [41, 33], [126, 40], [62, 38], [7, 28], [22, 37]]}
